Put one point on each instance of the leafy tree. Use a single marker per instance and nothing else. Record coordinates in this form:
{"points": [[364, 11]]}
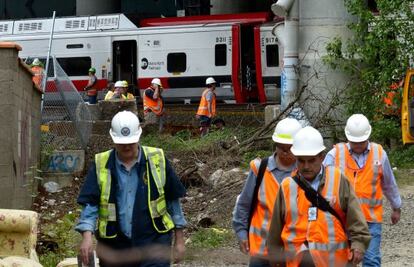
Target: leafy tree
{"points": [[377, 55]]}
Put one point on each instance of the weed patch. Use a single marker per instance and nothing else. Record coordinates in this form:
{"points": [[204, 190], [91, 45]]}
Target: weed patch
{"points": [[211, 238], [402, 157], [67, 240]]}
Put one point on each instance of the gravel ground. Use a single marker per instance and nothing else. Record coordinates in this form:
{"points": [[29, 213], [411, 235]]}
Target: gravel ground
{"points": [[397, 242]]}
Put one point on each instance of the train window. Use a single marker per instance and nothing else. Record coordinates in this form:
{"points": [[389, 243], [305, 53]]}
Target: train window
{"points": [[74, 46], [272, 55], [176, 62], [75, 66], [221, 55]]}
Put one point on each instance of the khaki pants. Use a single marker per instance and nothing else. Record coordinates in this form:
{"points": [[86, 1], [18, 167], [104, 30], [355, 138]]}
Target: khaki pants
{"points": [[151, 119]]}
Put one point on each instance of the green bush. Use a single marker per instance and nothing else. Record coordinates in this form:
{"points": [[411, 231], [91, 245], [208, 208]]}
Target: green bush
{"points": [[211, 238], [402, 157], [62, 232], [49, 259], [183, 141], [252, 154], [385, 129]]}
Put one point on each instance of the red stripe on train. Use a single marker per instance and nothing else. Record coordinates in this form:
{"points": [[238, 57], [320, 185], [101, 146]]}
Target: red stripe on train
{"points": [[258, 17], [79, 85]]}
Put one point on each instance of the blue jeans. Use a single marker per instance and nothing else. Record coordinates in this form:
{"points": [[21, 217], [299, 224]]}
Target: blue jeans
{"points": [[92, 99], [372, 256], [258, 262]]}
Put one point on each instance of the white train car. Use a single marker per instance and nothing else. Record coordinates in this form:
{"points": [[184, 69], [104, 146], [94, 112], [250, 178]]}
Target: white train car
{"points": [[184, 56], [239, 51], [78, 43]]}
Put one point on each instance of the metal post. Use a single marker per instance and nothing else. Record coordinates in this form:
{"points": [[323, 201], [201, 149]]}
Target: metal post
{"points": [[47, 61], [48, 52]]}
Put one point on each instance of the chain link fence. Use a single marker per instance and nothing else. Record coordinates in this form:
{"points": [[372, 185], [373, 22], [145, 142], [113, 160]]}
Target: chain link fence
{"points": [[66, 119]]}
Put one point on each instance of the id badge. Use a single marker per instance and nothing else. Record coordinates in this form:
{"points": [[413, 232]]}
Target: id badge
{"points": [[312, 214], [111, 212]]}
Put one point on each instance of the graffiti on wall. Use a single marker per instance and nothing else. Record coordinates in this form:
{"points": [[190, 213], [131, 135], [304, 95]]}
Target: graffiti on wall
{"points": [[66, 162]]}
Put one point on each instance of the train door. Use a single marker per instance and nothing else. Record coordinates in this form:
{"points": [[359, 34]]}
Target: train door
{"points": [[236, 69], [268, 54], [248, 63], [124, 62], [407, 109]]}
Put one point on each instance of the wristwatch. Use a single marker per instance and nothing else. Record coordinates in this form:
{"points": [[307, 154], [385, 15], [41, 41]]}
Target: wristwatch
{"points": [[397, 209]]}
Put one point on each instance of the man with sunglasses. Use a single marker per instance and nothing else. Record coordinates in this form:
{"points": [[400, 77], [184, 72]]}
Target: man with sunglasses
{"points": [[369, 171], [254, 205]]}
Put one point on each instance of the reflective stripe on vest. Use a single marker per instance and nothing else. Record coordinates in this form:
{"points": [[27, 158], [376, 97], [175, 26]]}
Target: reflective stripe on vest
{"points": [[366, 180], [128, 96], [325, 238], [260, 223], [38, 75], [154, 105], [203, 107], [158, 207], [107, 211]]}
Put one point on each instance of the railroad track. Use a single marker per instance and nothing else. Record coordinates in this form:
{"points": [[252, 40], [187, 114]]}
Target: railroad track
{"points": [[222, 109]]}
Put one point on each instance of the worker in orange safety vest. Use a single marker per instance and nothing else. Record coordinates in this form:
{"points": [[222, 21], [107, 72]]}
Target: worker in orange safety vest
{"points": [[369, 171], [392, 99], [254, 205], [207, 108], [92, 92], [315, 211], [38, 72], [154, 104]]}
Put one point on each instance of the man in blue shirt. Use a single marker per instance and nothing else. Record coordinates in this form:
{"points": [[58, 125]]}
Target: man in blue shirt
{"points": [[252, 213], [367, 166], [134, 193]]}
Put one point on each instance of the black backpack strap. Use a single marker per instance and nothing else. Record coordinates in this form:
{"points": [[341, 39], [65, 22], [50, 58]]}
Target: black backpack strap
{"points": [[317, 200], [259, 179]]}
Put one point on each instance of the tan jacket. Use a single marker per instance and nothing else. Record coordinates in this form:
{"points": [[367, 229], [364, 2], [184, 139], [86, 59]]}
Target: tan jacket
{"points": [[356, 224]]}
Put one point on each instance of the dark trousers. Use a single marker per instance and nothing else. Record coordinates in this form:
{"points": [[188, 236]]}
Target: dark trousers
{"points": [[307, 260], [258, 262], [121, 242], [92, 99]]}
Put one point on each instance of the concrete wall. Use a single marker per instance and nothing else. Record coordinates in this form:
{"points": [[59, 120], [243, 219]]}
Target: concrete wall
{"points": [[319, 22], [20, 133], [229, 6], [94, 7], [22, 9]]}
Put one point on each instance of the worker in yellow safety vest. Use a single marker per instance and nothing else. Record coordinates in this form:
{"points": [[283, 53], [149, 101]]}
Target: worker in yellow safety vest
{"points": [[316, 220], [369, 171], [207, 108], [120, 92], [254, 205], [133, 192]]}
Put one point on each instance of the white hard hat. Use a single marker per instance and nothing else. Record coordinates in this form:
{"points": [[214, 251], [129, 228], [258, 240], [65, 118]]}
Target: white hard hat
{"points": [[119, 84], [307, 142], [285, 130], [36, 62], [210, 80], [125, 128], [156, 81], [357, 128]]}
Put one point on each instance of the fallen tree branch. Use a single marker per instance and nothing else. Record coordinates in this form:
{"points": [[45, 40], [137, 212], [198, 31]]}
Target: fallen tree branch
{"points": [[258, 135]]}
